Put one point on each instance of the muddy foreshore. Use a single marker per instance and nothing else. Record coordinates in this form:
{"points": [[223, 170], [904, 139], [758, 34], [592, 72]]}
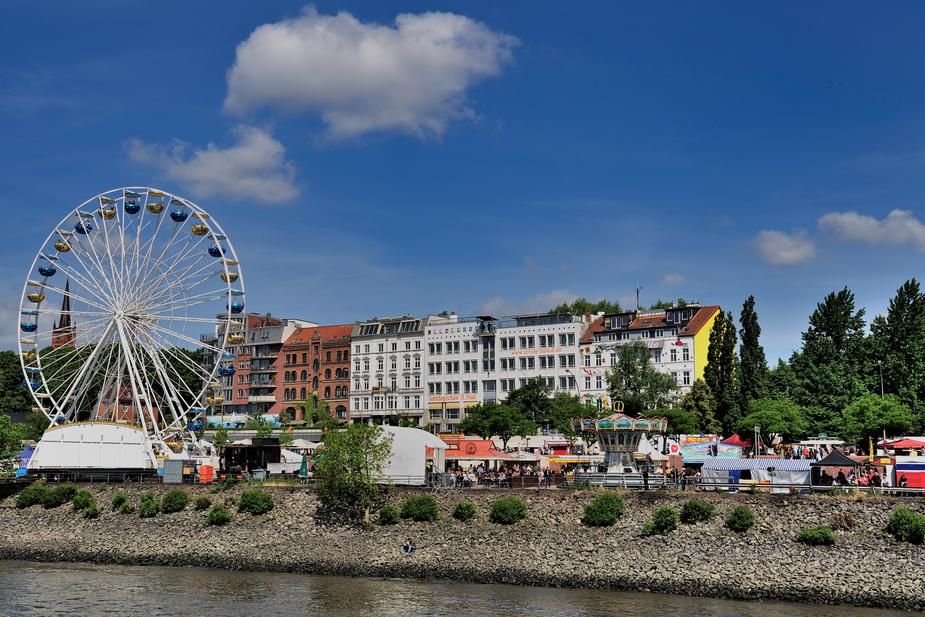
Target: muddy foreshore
{"points": [[866, 566]]}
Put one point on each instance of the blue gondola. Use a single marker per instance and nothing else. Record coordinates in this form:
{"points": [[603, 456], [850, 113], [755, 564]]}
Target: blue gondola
{"points": [[229, 371], [179, 216], [196, 425], [132, 207], [48, 270], [28, 327], [32, 385], [236, 307], [216, 251], [83, 228]]}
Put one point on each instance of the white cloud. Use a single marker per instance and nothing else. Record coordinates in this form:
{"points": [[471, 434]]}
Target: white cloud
{"points": [[898, 228], [253, 168], [781, 250], [366, 77], [500, 307], [673, 280]]}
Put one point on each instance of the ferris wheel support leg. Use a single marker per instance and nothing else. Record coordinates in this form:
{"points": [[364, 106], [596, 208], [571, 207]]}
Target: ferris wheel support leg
{"points": [[134, 378]]}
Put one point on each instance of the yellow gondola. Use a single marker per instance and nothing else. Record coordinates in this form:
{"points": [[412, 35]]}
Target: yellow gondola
{"points": [[200, 230], [107, 213], [231, 277], [28, 356], [235, 339], [156, 208], [35, 297], [61, 246]]}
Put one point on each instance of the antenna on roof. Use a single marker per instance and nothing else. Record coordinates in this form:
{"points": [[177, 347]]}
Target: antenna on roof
{"points": [[638, 289]]}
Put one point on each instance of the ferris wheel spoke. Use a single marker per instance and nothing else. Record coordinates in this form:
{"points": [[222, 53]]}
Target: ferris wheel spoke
{"points": [[180, 302], [75, 295], [171, 392], [160, 281], [94, 258], [84, 281], [110, 256], [81, 378], [201, 276], [177, 335]]}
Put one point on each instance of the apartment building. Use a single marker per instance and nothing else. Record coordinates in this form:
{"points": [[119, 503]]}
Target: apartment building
{"points": [[387, 374], [316, 371], [677, 338]]}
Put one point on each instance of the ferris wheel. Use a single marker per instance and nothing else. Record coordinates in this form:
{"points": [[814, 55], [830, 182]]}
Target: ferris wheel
{"points": [[124, 293]]}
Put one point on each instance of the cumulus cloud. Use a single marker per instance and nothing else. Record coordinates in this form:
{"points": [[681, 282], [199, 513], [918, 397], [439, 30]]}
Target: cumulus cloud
{"points": [[253, 168], [672, 280], [500, 307], [899, 228], [363, 77], [780, 250]]}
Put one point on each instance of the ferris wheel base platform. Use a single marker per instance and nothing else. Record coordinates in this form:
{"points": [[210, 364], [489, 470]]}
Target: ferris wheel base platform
{"points": [[93, 447]]}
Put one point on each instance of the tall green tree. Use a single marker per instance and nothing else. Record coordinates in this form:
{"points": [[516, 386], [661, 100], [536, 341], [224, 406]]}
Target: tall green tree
{"points": [[699, 403], [774, 417], [534, 401], [876, 417], [720, 372], [781, 381], [580, 306], [827, 366], [900, 338], [636, 382], [753, 368], [349, 467], [566, 406], [14, 398], [679, 303], [504, 421]]}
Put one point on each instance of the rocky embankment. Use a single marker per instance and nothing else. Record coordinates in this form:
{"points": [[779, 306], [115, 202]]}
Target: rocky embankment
{"points": [[865, 567]]}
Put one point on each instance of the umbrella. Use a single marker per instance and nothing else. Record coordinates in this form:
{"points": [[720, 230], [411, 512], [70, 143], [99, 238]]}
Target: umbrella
{"points": [[303, 470], [906, 443]]}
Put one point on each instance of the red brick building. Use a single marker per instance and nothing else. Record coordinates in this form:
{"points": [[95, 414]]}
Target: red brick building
{"points": [[316, 370]]}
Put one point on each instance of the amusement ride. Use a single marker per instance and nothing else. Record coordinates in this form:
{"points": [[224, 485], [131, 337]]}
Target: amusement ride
{"points": [[121, 288]]}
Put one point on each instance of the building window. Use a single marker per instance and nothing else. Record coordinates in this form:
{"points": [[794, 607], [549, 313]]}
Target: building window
{"points": [[685, 354], [687, 378], [587, 383], [417, 401], [407, 402], [327, 392], [656, 356], [302, 394], [674, 354], [598, 359], [327, 373]]}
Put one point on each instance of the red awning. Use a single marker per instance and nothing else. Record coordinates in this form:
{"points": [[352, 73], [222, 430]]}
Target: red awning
{"points": [[906, 443]]}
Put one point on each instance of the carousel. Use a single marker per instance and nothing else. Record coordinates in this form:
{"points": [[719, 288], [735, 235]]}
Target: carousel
{"points": [[618, 437]]}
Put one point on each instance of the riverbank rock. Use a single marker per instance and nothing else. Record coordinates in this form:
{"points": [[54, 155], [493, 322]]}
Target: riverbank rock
{"points": [[866, 566]]}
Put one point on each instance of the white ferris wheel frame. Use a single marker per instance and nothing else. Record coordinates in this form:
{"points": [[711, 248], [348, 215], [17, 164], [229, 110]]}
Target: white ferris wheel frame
{"points": [[142, 279]]}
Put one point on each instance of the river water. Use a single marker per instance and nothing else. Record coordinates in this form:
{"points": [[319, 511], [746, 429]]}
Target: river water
{"points": [[28, 589]]}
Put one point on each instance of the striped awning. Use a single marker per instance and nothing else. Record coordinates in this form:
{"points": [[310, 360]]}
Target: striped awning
{"points": [[739, 464]]}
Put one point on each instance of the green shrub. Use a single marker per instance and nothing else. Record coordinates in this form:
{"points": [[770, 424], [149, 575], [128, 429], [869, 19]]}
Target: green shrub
{"points": [[203, 502], [91, 511], [604, 510], [126, 508], [740, 519], [219, 515], [464, 511], [388, 515], [906, 526], [695, 511], [174, 501], [31, 495], [663, 521], [816, 536], [580, 485], [52, 498], [148, 506], [118, 499], [507, 510], [82, 500], [420, 508], [255, 501]]}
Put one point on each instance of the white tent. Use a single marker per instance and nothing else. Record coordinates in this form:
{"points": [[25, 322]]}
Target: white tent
{"points": [[408, 464], [727, 470]]}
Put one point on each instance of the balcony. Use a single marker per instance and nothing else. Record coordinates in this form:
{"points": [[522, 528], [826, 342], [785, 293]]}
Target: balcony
{"points": [[261, 398], [208, 336], [271, 356], [271, 383], [263, 369]]}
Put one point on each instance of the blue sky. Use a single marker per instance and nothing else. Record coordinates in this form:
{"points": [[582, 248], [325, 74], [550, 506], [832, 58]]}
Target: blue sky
{"points": [[372, 158]]}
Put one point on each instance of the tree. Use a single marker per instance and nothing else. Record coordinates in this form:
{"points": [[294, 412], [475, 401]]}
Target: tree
{"points": [[488, 420], [220, 437], [9, 446], [875, 417], [317, 412], [827, 366], [636, 382], [533, 401], [14, 398], [774, 417], [680, 303], [566, 406], [699, 403], [900, 345], [580, 306], [680, 421], [720, 372], [753, 368], [781, 381], [349, 467], [261, 425]]}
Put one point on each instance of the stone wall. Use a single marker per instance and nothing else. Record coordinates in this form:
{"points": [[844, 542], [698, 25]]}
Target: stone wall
{"points": [[551, 547]]}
